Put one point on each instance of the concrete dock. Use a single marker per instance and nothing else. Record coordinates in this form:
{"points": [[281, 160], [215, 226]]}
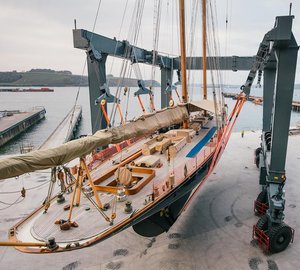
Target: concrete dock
{"points": [[215, 232], [12, 123], [65, 130]]}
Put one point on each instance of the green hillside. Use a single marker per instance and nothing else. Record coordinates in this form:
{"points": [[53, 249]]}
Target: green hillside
{"points": [[48, 77]]}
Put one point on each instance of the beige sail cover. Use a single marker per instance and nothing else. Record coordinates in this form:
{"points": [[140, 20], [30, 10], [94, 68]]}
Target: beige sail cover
{"points": [[48, 158], [205, 104]]}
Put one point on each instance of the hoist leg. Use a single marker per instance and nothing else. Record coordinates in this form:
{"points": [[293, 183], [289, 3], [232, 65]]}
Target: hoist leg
{"points": [[271, 156]]}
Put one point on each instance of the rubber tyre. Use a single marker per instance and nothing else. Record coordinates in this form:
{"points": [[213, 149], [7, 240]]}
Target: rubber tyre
{"points": [[268, 133], [262, 223], [257, 161], [268, 136], [257, 151], [263, 196], [269, 145], [280, 237]]}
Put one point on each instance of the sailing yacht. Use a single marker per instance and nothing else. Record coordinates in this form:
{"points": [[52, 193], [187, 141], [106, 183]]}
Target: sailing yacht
{"points": [[146, 176]]}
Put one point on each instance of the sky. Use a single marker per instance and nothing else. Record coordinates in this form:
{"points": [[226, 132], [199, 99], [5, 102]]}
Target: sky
{"points": [[38, 33]]}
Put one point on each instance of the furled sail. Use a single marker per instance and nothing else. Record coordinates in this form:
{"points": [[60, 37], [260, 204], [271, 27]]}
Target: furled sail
{"points": [[43, 159]]}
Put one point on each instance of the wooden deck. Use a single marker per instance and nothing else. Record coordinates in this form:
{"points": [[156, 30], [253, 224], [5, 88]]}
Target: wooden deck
{"points": [[92, 225]]}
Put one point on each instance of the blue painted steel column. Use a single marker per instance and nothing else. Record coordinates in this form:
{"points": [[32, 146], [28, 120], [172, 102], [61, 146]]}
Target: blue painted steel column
{"points": [[97, 77], [268, 93], [286, 67], [166, 74]]}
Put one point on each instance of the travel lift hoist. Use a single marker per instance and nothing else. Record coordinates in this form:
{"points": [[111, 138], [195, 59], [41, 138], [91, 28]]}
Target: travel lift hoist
{"points": [[277, 58]]}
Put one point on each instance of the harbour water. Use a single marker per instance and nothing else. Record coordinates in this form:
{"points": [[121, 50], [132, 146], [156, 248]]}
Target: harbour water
{"points": [[60, 102]]}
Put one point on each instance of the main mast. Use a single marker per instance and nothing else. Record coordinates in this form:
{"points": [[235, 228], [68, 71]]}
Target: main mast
{"points": [[183, 56], [204, 67]]}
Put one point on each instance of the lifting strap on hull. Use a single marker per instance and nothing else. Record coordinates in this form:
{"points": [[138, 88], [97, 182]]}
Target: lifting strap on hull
{"points": [[220, 147]]}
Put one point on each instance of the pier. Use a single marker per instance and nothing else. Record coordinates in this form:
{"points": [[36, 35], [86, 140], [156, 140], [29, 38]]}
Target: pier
{"points": [[12, 123], [65, 130], [22, 90], [259, 100]]}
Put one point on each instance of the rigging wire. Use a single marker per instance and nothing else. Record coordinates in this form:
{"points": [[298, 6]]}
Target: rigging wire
{"points": [[228, 34], [128, 95], [120, 81], [83, 71], [214, 49], [156, 30], [218, 51], [18, 191], [216, 66], [8, 203], [226, 38], [136, 32], [177, 24], [132, 38], [191, 48], [23, 191], [169, 22], [118, 37], [214, 52], [17, 201]]}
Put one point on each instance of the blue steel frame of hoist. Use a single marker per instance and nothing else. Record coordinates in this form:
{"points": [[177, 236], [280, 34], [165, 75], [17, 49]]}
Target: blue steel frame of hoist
{"points": [[277, 58], [98, 48]]}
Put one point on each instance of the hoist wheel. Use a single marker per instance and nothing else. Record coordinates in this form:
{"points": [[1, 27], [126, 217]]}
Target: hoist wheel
{"points": [[257, 161], [262, 223], [262, 197], [257, 151], [280, 237]]}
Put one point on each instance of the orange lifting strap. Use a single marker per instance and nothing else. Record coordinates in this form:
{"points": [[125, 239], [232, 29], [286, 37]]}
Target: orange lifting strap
{"points": [[141, 103], [220, 147], [177, 95], [102, 106], [152, 103], [169, 96], [121, 115]]}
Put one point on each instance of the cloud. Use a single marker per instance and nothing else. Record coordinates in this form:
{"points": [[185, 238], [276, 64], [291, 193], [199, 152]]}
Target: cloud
{"points": [[38, 33]]}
